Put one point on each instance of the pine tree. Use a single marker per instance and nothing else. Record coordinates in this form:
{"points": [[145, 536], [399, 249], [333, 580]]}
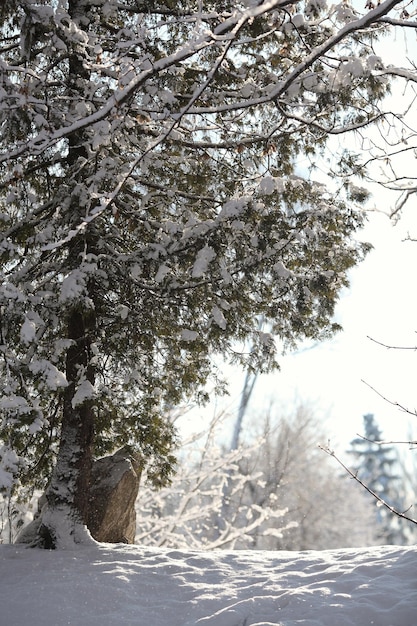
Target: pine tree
{"points": [[375, 465], [151, 213]]}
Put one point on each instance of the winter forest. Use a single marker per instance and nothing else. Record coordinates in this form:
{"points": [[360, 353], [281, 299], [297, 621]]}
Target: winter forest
{"points": [[182, 190]]}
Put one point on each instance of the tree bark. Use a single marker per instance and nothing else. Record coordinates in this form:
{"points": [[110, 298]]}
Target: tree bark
{"points": [[66, 513], [68, 493]]}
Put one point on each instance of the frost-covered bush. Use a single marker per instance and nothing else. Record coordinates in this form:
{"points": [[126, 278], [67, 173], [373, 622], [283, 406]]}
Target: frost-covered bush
{"points": [[191, 512], [275, 492]]}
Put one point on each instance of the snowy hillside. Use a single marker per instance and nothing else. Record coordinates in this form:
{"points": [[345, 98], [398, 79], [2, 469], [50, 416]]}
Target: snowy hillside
{"points": [[108, 585]]}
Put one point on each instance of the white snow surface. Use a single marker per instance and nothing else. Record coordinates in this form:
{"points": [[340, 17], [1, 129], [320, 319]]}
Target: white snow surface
{"points": [[104, 584]]}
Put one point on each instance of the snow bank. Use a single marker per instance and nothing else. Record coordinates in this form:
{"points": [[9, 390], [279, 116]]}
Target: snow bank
{"points": [[106, 585]]}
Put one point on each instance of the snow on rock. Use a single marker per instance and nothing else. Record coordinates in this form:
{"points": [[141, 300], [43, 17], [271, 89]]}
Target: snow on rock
{"points": [[107, 584]]}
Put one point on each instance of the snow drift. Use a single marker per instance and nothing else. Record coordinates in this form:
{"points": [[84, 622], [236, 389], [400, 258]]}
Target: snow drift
{"points": [[105, 585]]}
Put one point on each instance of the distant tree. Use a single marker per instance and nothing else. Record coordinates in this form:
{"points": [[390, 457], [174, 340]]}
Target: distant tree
{"points": [[151, 212], [407, 469], [189, 512], [323, 511], [377, 466], [281, 495], [16, 510]]}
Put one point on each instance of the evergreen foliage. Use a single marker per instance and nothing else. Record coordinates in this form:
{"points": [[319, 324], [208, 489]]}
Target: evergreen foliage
{"points": [[375, 463], [151, 212]]}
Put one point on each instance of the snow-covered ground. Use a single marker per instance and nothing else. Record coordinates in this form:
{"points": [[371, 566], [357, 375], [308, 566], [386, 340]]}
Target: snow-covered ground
{"points": [[107, 585]]}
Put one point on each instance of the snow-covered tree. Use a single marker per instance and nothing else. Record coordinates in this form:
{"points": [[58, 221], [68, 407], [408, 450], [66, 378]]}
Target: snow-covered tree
{"points": [[151, 212], [281, 494], [407, 469], [188, 513], [376, 464], [323, 510]]}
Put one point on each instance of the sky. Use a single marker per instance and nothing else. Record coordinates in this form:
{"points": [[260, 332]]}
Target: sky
{"points": [[105, 585]]}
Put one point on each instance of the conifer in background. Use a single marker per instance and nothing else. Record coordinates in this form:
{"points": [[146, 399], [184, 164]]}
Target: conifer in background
{"points": [[376, 465]]}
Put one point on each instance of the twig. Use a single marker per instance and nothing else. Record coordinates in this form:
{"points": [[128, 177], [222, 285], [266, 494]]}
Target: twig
{"points": [[384, 443], [397, 404], [384, 345], [378, 498]]}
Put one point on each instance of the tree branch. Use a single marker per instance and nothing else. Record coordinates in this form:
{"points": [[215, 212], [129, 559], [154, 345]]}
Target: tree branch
{"points": [[393, 403], [378, 498], [385, 443], [384, 345]]}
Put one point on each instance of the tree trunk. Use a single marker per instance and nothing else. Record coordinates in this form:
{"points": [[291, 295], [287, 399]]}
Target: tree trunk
{"points": [[66, 512]]}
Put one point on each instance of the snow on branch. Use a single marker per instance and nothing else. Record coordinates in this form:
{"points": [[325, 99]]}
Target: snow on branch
{"points": [[225, 31]]}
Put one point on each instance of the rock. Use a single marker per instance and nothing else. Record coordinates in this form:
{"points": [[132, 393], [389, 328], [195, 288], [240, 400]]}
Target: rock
{"points": [[114, 489]]}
